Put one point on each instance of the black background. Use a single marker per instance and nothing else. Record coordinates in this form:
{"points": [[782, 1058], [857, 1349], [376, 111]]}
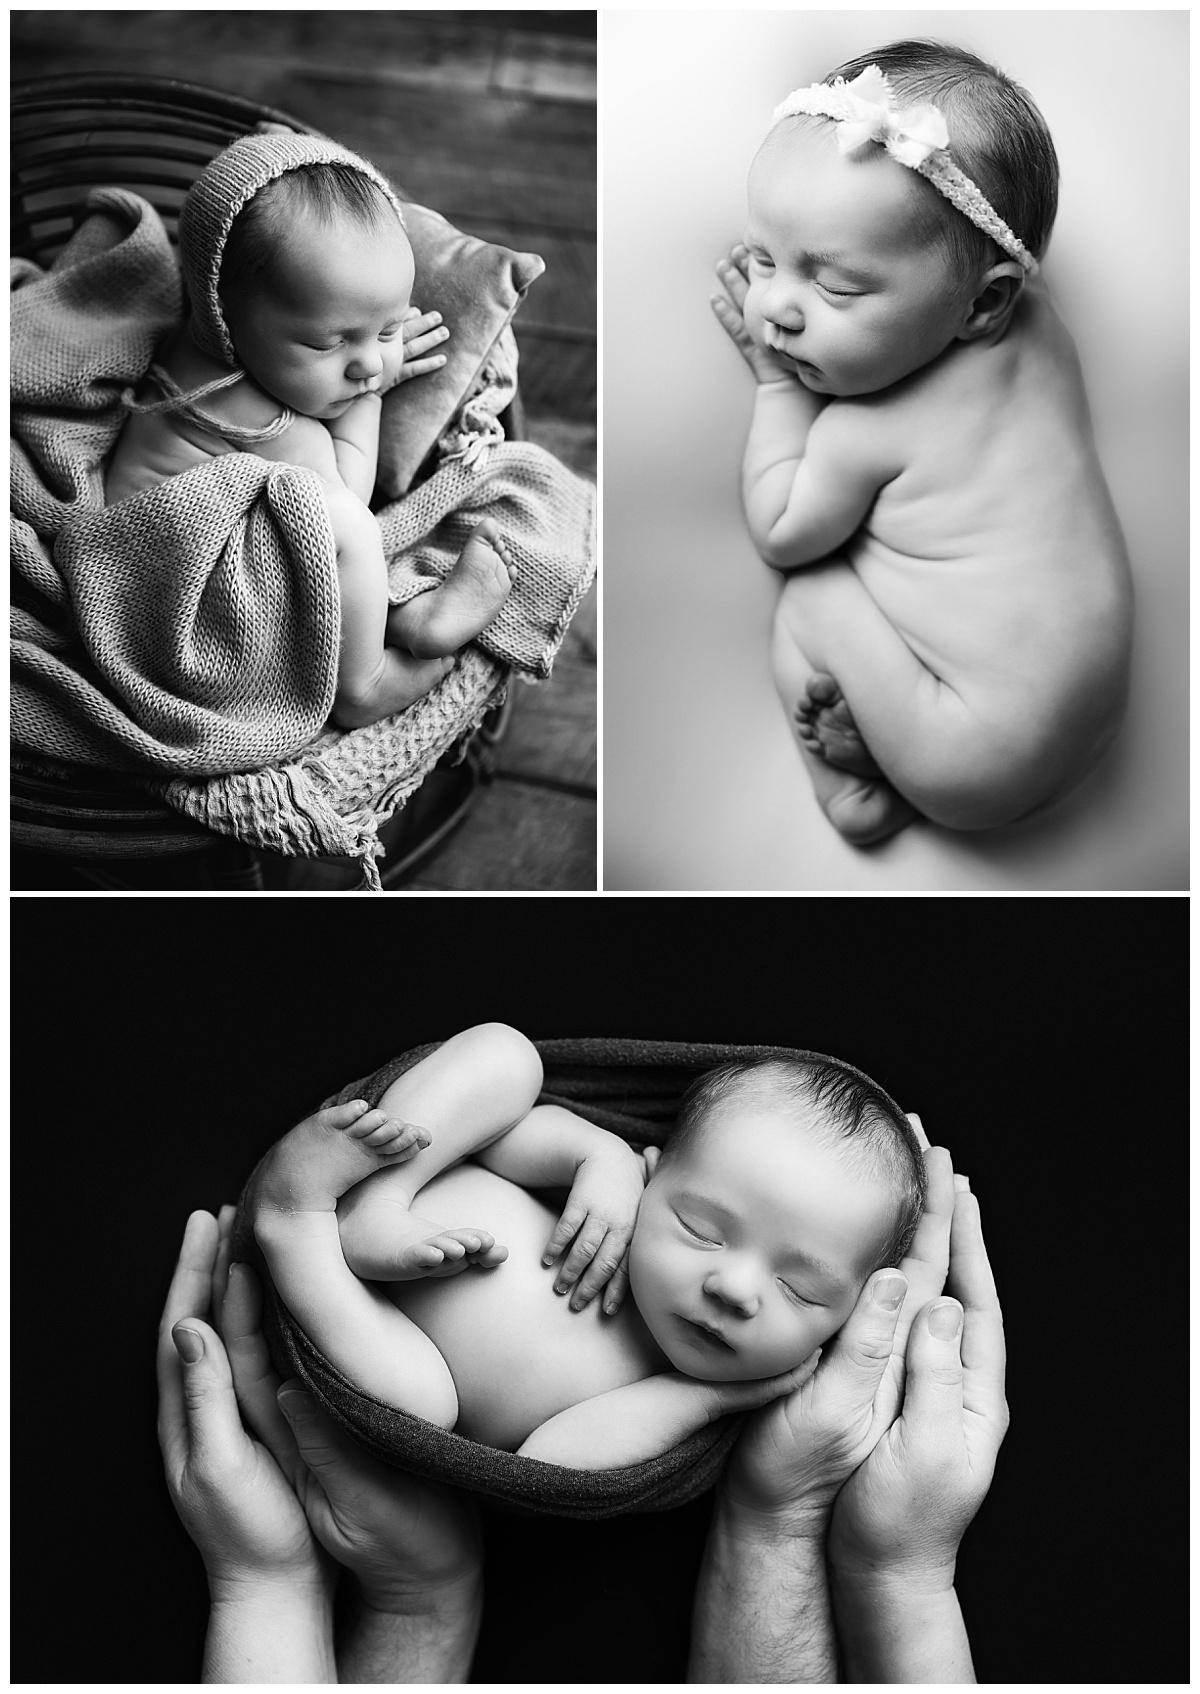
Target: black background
{"points": [[157, 1048]]}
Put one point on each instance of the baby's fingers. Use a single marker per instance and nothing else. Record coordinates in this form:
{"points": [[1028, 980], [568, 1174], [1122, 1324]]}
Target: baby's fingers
{"points": [[421, 367], [586, 1246], [732, 272], [606, 1261], [618, 1286], [417, 346], [564, 1232]]}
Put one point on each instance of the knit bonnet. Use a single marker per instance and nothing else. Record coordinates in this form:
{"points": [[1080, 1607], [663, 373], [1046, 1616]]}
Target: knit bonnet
{"points": [[232, 179]]}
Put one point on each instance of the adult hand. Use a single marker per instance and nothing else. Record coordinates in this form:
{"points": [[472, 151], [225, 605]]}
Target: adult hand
{"points": [[795, 1454], [403, 1538], [733, 271], [905, 1510], [233, 1498]]}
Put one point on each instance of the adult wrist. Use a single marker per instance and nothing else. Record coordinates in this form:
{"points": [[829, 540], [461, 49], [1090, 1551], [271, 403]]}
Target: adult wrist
{"points": [[803, 1520], [453, 1595]]}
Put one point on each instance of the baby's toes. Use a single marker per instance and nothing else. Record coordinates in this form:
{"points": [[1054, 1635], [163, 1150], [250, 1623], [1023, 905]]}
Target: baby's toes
{"points": [[345, 1117], [367, 1125]]}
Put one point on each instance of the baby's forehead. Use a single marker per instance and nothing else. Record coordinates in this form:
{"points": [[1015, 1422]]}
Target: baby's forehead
{"points": [[799, 178]]}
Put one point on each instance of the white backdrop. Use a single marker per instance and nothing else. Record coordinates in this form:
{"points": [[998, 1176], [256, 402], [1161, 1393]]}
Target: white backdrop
{"points": [[703, 787]]}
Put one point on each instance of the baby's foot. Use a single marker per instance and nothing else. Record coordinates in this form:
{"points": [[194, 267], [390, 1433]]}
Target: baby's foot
{"points": [[444, 1253], [867, 812], [479, 583], [828, 731], [322, 1157]]}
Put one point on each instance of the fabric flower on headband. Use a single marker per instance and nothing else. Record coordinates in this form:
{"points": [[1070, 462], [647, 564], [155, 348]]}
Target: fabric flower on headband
{"points": [[909, 135], [865, 111]]}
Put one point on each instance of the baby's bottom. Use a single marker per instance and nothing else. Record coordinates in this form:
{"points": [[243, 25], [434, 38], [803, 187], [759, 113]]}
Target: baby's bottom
{"points": [[885, 740], [376, 679], [473, 1088]]}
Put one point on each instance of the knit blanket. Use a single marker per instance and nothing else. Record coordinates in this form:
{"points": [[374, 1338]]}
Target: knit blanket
{"points": [[633, 1089], [188, 637]]}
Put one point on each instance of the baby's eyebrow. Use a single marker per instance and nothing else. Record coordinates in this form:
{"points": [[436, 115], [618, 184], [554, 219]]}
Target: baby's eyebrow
{"points": [[836, 262], [810, 1262]]}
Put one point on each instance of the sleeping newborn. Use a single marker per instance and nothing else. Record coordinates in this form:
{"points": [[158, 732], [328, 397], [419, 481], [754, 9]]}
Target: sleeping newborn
{"points": [[952, 638], [301, 306], [785, 1185]]}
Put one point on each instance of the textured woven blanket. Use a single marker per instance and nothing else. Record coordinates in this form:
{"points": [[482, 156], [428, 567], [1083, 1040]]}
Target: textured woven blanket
{"points": [[632, 1088], [189, 636]]}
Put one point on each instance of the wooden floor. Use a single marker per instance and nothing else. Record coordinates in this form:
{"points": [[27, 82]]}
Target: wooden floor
{"points": [[489, 117]]}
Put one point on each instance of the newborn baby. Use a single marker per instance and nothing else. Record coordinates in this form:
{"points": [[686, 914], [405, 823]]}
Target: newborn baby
{"points": [[953, 635], [783, 1187], [307, 294]]}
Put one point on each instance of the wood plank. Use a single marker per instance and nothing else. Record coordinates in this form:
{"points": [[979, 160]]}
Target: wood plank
{"points": [[519, 837], [552, 732], [450, 50], [558, 376]]}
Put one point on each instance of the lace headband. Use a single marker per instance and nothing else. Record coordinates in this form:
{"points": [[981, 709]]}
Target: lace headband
{"points": [[865, 111]]}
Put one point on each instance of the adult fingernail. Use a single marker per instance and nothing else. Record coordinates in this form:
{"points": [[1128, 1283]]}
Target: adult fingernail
{"points": [[945, 1321], [889, 1291], [188, 1345]]}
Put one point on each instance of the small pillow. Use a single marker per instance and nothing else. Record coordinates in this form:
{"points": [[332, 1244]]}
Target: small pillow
{"points": [[477, 287]]}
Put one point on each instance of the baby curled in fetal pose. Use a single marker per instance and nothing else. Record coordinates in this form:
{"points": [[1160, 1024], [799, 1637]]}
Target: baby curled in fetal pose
{"points": [[952, 640], [785, 1185], [301, 308]]}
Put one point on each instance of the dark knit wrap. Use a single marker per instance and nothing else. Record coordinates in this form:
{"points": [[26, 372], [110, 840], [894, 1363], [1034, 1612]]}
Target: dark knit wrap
{"points": [[632, 1088]]}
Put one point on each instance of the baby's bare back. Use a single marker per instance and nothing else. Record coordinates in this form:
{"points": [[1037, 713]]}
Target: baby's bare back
{"points": [[517, 1353], [996, 552]]}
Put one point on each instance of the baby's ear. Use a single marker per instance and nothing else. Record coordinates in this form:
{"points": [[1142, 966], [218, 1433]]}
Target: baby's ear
{"points": [[650, 1158], [996, 297]]}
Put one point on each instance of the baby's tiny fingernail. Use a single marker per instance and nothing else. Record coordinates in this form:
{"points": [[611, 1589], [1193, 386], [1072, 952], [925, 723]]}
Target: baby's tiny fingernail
{"points": [[562, 1287], [295, 1403], [188, 1344]]}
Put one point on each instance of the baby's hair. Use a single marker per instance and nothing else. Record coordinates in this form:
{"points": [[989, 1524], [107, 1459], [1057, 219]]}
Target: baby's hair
{"points": [[845, 1109], [259, 232], [997, 137]]}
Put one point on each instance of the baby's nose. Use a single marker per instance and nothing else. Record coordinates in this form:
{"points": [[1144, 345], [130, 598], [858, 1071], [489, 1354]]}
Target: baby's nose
{"points": [[365, 364], [733, 1290], [782, 311]]}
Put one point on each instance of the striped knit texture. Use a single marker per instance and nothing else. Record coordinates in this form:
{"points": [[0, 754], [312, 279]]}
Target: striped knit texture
{"points": [[189, 636]]}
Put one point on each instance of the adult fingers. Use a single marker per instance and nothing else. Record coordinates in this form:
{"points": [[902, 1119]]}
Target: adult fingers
{"points": [[187, 1297], [344, 1476], [918, 1130], [224, 1258], [983, 1351], [933, 1384], [254, 1380], [215, 1439], [927, 1259], [853, 1369]]}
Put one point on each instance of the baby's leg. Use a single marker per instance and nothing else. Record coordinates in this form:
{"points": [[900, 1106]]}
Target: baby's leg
{"points": [[466, 1095], [443, 619], [938, 755], [374, 681], [859, 802], [290, 1201]]}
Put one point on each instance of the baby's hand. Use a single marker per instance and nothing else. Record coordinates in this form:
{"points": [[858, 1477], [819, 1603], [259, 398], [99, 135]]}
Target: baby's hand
{"points": [[729, 312], [422, 333], [722, 1397], [597, 1224]]}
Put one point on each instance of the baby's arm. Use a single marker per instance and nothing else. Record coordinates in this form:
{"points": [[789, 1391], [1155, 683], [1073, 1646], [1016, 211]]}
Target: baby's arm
{"points": [[643, 1419], [808, 483], [355, 437], [553, 1148]]}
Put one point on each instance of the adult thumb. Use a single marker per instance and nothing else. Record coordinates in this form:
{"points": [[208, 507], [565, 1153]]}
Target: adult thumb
{"points": [[214, 1426], [933, 1387], [314, 1433], [864, 1346]]}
